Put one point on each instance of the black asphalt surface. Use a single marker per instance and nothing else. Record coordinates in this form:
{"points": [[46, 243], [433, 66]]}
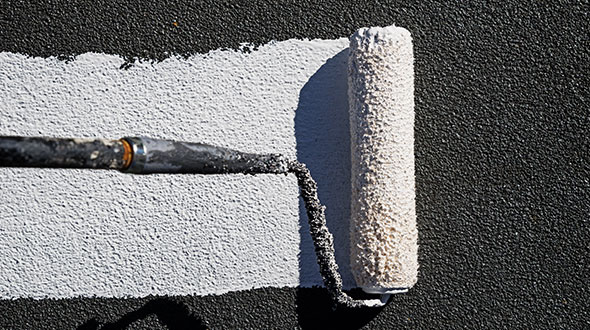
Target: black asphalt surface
{"points": [[502, 155]]}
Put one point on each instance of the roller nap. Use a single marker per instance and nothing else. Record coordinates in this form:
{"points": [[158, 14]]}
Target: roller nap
{"points": [[384, 238]]}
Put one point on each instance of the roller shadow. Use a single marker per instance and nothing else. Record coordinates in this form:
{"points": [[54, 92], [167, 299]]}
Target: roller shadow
{"points": [[315, 310], [173, 314], [322, 131]]}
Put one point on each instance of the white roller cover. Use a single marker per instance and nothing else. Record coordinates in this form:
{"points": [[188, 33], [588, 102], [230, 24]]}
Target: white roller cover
{"points": [[384, 238]]}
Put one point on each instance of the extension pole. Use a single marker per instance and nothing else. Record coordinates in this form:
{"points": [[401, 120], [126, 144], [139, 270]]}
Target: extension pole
{"points": [[137, 155]]}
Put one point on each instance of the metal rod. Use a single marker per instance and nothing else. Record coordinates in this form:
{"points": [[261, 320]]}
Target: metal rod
{"points": [[166, 156]]}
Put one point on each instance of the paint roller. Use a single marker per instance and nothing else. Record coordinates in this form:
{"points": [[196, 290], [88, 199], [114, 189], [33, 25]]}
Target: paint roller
{"points": [[384, 238], [383, 232]]}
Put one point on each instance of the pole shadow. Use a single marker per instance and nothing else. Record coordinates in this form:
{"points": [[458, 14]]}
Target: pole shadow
{"points": [[173, 314]]}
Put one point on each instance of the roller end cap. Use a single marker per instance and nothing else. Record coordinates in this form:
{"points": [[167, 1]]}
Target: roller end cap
{"points": [[378, 290]]}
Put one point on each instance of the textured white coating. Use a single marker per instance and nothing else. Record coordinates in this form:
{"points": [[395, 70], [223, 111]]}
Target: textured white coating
{"points": [[66, 233], [384, 237]]}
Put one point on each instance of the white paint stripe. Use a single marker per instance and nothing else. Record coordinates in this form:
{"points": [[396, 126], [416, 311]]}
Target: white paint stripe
{"points": [[66, 233]]}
